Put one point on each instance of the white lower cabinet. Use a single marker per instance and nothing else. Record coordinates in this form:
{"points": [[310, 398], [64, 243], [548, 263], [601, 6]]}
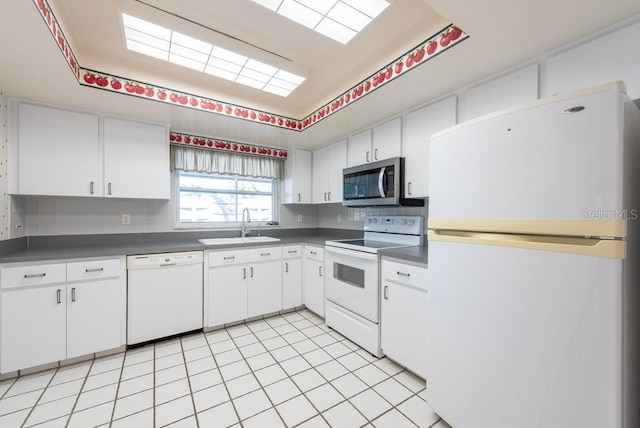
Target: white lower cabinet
{"points": [[403, 306], [313, 279], [265, 281], [291, 276], [58, 311], [242, 284]]}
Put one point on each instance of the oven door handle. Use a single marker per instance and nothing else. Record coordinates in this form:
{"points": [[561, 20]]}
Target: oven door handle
{"points": [[351, 253], [381, 182]]}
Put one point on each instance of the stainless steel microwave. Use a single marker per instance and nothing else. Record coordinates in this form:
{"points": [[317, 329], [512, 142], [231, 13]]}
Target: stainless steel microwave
{"points": [[376, 183]]}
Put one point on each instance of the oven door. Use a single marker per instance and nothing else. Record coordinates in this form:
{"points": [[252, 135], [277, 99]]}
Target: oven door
{"points": [[352, 281]]}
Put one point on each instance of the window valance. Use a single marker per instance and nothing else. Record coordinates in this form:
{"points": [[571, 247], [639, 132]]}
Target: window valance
{"points": [[199, 159]]}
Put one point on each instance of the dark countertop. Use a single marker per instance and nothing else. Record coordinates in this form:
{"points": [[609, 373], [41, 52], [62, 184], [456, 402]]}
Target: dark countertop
{"points": [[414, 254], [44, 248]]}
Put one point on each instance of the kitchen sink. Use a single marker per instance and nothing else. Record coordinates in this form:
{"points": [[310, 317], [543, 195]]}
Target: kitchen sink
{"points": [[238, 240]]}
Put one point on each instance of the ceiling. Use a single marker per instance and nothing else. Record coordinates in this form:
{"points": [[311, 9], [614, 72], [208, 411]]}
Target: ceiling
{"points": [[503, 34]]}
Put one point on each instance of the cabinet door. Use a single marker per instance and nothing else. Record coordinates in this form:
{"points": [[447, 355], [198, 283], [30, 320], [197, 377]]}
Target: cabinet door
{"points": [[32, 327], [313, 285], [337, 162], [359, 149], [296, 186], [265, 288], [418, 127], [136, 160], [320, 175], [291, 283], [387, 140], [57, 152], [227, 294], [402, 326], [94, 316]]}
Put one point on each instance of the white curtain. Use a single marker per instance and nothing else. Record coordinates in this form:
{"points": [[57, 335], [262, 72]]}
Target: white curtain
{"points": [[197, 159]]}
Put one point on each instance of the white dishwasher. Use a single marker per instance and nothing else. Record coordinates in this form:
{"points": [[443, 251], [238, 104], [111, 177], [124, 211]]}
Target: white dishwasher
{"points": [[164, 295]]}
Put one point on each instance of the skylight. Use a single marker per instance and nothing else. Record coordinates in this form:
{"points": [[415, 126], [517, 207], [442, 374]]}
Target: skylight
{"points": [[168, 45], [340, 20]]}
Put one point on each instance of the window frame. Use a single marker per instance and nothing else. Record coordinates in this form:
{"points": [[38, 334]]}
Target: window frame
{"points": [[227, 224]]}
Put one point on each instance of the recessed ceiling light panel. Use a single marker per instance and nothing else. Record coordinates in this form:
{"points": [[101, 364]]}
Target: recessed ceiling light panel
{"points": [[351, 15], [162, 43]]}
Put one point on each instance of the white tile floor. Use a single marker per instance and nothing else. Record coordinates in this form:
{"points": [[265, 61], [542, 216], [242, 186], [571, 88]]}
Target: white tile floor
{"points": [[284, 371]]}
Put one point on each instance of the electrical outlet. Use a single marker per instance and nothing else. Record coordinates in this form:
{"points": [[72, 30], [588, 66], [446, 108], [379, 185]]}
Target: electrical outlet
{"points": [[339, 218], [299, 218], [126, 218]]}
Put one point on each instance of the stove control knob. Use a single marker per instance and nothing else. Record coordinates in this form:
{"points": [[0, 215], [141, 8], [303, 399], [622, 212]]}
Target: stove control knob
{"points": [[411, 222], [403, 221], [375, 220]]}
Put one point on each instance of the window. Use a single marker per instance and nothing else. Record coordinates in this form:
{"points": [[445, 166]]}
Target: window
{"points": [[218, 198]]}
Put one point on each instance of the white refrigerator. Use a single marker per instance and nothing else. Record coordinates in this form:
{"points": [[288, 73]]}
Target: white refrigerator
{"points": [[533, 295]]}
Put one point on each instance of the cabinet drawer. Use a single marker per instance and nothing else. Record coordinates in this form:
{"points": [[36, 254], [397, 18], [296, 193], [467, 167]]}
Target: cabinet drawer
{"points": [[291, 251], [95, 269], [229, 257], [314, 253], [264, 254], [25, 276], [414, 276]]}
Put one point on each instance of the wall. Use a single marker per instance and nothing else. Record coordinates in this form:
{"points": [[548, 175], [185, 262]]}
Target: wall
{"points": [[70, 216], [4, 199], [606, 56]]}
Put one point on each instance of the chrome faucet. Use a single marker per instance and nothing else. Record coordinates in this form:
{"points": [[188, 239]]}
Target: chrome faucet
{"points": [[243, 233]]}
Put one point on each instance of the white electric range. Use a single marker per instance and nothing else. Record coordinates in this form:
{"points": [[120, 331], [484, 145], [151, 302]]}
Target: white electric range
{"points": [[352, 282]]}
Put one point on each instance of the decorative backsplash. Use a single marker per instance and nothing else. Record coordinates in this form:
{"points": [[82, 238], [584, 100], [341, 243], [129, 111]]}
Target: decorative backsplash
{"points": [[433, 46]]}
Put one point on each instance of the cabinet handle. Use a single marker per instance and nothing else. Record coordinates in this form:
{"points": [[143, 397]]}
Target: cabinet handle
{"points": [[35, 275], [385, 294], [109, 188], [91, 188], [409, 187], [367, 156], [403, 274], [265, 254], [298, 197], [329, 196], [251, 271], [292, 251], [229, 258], [375, 154], [286, 267], [94, 270], [244, 273], [73, 294], [320, 270], [325, 196], [58, 296]]}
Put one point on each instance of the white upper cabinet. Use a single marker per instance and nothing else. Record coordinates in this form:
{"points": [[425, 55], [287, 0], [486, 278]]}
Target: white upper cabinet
{"points": [[387, 139], [136, 160], [515, 88], [381, 142], [419, 125], [359, 148], [55, 151], [328, 163], [59, 152], [296, 185]]}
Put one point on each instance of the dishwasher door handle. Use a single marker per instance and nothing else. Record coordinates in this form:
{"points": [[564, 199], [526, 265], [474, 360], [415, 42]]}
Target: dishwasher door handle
{"points": [[167, 264]]}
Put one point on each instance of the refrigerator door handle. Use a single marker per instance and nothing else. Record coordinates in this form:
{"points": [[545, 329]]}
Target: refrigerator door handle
{"points": [[610, 248]]}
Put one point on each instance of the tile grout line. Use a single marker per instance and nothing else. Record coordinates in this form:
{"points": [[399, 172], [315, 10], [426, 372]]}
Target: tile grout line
{"points": [[186, 369], [39, 398], [115, 398]]}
